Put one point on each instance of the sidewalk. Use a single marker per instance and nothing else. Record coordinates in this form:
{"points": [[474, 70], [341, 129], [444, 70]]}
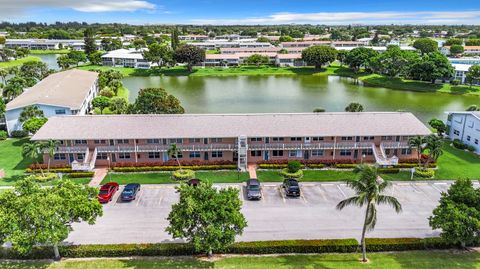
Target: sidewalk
{"points": [[252, 170], [98, 177]]}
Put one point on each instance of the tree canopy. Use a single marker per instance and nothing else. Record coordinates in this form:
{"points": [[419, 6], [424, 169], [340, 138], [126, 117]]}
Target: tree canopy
{"points": [[156, 101], [425, 45], [359, 57], [319, 55], [354, 107], [190, 55]]}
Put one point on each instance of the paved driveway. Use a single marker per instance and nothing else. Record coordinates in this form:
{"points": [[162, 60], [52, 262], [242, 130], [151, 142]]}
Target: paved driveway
{"points": [[275, 217]]}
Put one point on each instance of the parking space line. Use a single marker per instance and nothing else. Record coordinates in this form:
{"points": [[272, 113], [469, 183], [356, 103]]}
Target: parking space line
{"points": [[160, 200], [139, 198], [303, 197], [433, 186], [440, 183], [340, 189], [264, 197], [321, 192], [281, 194]]}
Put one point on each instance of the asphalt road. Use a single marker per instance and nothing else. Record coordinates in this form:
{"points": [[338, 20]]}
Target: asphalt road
{"points": [[275, 217]]}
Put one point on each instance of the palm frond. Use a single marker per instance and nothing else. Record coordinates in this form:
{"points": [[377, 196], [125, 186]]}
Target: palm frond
{"points": [[354, 200], [390, 200]]}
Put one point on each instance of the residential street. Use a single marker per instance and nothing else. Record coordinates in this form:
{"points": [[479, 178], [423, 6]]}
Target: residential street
{"points": [[275, 217]]}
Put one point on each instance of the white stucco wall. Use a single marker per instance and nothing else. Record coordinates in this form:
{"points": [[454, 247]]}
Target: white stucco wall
{"points": [[463, 126]]}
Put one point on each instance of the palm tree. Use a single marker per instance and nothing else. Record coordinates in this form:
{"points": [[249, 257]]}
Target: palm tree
{"points": [[369, 188], [354, 107], [418, 143], [50, 146], [434, 146], [33, 151], [174, 151]]}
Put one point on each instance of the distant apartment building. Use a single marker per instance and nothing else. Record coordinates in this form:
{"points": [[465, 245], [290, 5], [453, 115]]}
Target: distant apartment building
{"points": [[125, 58], [193, 37], [106, 140], [47, 44], [465, 126], [467, 50], [218, 44], [63, 93]]}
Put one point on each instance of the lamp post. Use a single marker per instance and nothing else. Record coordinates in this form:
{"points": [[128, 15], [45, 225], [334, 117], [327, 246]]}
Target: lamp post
{"points": [[238, 173], [109, 165]]}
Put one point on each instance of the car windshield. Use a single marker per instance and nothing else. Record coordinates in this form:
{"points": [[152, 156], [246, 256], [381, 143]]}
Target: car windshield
{"points": [[103, 191], [254, 187], [127, 192], [293, 183]]}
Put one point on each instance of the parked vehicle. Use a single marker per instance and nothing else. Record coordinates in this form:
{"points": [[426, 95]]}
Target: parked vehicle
{"points": [[130, 191], [194, 182], [107, 191], [291, 187], [254, 189]]}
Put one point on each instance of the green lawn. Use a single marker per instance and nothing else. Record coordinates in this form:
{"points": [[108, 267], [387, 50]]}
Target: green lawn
{"points": [[394, 260], [11, 160], [19, 61], [62, 51], [308, 175]]}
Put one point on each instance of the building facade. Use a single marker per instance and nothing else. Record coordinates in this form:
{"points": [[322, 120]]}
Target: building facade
{"points": [[125, 58], [90, 141], [465, 126]]}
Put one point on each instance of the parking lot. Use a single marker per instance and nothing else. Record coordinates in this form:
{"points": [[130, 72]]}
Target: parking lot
{"points": [[311, 216]]}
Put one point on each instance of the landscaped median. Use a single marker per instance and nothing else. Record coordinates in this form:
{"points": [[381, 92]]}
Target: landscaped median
{"points": [[259, 247]]}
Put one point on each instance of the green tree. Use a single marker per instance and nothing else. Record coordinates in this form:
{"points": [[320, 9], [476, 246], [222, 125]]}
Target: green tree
{"points": [[263, 39], [139, 43], [65, 62], [34, 124], [354, 107], [473, 108], [175, 42], [458, 214], [174, 151], [433, 144], [453, 41], [319, 109], [472, 42], [456, 49], [257, 59], [425, 45], [100, 102], [76, 57], [156, 101], [2, 40], [89, 40], [160, 54], [286, 38], [32, 151], [393, 62], [430, 67], [319, 55], [118, 105], [50, 146], [473, 74], [95, 58], [369, 191], [29, 112], [206, 217], [3, 106], [417, 143], [190, 55], [34, 69], [14, 87], [438, 125], [359, 57], [33, 215], [341, 56]]}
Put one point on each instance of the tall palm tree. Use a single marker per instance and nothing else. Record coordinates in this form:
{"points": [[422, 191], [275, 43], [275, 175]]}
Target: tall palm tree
{"points": [[418, 143], [434, 145], [174, 151], [33, 151], [369, 188], [50, 146]]}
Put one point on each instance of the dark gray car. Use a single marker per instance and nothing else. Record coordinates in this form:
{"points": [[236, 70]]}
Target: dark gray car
{"points": [[254, 190]]}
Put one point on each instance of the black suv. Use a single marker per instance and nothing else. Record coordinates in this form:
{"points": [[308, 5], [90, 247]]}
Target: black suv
{"points": [[253, 189], [291, 187]]}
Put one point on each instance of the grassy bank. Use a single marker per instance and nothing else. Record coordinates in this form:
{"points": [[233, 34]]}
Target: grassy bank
{"points": [[19, 61], [61, 51], [391, 260], [11, 160]]}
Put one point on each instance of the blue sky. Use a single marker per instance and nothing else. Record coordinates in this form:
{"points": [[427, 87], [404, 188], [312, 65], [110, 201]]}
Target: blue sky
{"points": [[244, 11]]}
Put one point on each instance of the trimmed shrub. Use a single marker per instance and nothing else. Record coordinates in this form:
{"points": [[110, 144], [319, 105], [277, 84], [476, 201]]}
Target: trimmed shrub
{"points": [[271, 166], [174, 163], [455, 82], [459, 144], [345, 165], [172, 168], [18, 134], [401, 244], [424, 173], [470, 148], [294, 166], [294, 246], [3, 135], [45, 177], [316, 165], [184, 174], [388, 170], [80, 174], [286, 173]]}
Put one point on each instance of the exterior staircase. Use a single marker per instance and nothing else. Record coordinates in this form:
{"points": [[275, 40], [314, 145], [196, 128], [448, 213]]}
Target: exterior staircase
{"points": [[242, 153], [88, 163], [381, 159]]}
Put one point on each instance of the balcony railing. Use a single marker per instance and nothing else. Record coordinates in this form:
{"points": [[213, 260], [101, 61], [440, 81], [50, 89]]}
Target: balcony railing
{"points": [[310, 146], [164, 148], [395, 145], [63, 149]]}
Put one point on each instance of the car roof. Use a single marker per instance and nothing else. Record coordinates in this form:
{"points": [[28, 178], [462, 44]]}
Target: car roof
{"points": [[131, 185], [253, 181]]}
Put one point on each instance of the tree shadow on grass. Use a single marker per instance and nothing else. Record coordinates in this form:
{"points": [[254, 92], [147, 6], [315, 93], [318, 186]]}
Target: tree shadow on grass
{"points": [[464, 90], [167, 263], [440, 259], [11, 264], [399, 84]]}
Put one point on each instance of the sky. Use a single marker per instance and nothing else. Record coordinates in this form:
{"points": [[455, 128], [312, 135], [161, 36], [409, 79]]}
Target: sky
{"points": [[244, 11]]}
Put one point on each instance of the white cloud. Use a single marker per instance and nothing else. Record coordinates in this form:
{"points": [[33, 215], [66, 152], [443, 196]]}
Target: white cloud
{"points": [[11, 8], [383, 17]]}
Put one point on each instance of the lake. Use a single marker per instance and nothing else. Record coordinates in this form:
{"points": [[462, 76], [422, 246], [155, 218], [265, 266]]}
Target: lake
{"points": [[50, 60], [242, 94]]}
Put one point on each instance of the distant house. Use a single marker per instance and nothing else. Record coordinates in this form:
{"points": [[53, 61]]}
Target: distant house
{"points": [[467, 50], [465, 126], [125, 58], [461, 71], [63, 93]]}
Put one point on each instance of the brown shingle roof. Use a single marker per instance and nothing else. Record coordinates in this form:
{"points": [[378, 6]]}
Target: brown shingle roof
{"points": [[231, 125], [65, 89]]}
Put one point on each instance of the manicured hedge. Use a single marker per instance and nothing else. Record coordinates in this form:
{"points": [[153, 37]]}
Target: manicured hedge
{"points": [[173, 168], [294, 246], [388, 170], [80, 174], [400, 244], [174, 163]]}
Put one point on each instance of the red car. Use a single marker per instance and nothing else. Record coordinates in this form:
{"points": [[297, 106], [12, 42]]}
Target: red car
{"points": [[107, 191]]}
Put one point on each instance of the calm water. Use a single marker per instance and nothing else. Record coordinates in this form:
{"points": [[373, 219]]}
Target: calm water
{"points": [[239, 94], [50, 60]]}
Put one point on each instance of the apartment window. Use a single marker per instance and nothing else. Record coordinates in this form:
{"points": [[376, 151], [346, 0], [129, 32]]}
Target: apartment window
{"points": [[367, 138], [154, 155], [406, 151], [295, 153], [216, 140], [102, 156], [194, 140], [60, 111], [347, 138], [367, 152], [217, 154], [317, 138], [387, 137], [345, 152], [195, 154], [122, 141], [456, 132], [277, 153], [99, 141], [80, 142], [59, 156], [317, 152], [468, 138], [256, 139], [153, 141], [387, 151], [256, 153], [277, 139], [476, 141], [295, 139], [176, 141], [179, 155], [80, 156], [124, 155]]}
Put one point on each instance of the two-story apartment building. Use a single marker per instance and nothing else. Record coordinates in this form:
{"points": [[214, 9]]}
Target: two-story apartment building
{"points": [[101, 140], [125, 58], [64, 93], [465, 126]]}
